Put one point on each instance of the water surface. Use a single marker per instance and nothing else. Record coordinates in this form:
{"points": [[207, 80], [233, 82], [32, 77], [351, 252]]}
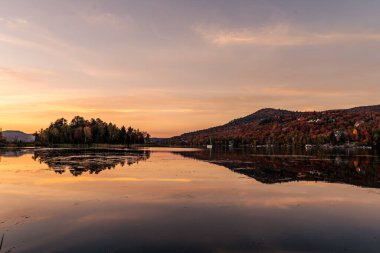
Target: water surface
{"points": [[178, 200]]}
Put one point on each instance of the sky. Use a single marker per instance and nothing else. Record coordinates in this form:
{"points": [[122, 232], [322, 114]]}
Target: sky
{"points": [[169, 67]]}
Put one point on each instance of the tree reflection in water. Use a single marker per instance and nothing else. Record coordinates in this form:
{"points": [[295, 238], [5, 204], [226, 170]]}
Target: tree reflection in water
{"points": [[358, 167], [93, 161]]}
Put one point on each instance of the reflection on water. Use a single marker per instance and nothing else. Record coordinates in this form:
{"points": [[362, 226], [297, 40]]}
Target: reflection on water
{"points": [[78, 161], [182, 201], [361, 168], [15, 152]]}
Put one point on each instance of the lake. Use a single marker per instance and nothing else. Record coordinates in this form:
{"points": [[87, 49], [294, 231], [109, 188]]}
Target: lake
{"points": [[189, 200]]}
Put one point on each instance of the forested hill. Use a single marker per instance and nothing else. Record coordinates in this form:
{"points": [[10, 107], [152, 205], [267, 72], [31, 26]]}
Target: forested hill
{"points": [[359, 125]]}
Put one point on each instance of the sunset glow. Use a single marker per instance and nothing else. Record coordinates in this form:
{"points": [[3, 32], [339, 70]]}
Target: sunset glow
{"points": [[169, 67]]}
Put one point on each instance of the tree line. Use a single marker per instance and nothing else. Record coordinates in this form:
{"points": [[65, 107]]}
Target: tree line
{"points": [[82, 131]]}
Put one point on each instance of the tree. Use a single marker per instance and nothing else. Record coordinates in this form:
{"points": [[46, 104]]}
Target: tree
{"points": [[77, 121], [123, 135], [81, 131], [87, 134], [78, 135]]}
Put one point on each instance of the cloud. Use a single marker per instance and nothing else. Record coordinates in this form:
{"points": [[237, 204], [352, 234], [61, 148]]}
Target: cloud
{"points": [[14, 22], [107, 20], [12, 40], [24, 74], [280, 35], [100, 109], [27, 34]]}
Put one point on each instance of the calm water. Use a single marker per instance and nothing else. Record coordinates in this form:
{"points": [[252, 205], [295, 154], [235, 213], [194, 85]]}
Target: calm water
{"points": [[178, 200]]}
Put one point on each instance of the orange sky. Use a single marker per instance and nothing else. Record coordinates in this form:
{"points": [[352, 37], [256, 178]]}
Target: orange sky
{"points": [[170, 67]]}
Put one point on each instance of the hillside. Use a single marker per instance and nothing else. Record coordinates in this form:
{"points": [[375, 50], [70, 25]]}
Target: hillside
{"points": [[359, 125], [17, 136]]}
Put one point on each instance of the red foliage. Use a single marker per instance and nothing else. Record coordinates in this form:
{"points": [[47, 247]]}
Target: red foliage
{"points": [[270, 126]]}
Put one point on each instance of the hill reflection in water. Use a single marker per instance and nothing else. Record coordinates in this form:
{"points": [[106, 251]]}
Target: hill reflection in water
{"points": [[360, 167], [93, 161], [15, 152]]}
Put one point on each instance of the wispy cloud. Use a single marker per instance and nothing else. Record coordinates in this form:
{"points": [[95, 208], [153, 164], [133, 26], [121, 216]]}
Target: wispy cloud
{"points": [[280, 35], [107, 20], [14, 22], [27, 74], [27, 34], [101, 109]]}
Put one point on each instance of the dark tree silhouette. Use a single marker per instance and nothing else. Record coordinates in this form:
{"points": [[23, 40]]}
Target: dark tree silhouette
{"points": [[82, 131]]}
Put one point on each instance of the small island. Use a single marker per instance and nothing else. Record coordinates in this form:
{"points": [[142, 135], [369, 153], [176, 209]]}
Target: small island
{"points": [[78, 131]]}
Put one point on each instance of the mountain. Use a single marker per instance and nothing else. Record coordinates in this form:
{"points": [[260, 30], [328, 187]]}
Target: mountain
{"points": [[17, 136], [360, 125]]}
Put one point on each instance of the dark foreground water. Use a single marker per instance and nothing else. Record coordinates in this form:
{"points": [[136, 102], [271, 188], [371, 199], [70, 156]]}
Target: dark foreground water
{"points": [[177, 200]]}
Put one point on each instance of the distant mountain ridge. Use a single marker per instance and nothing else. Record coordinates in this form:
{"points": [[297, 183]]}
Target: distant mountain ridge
{"points": [[17, 136], [368, 108], [278, 126]]}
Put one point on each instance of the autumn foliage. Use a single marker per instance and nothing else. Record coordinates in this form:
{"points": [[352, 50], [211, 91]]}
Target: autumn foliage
{"points": [[356, 126]]}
